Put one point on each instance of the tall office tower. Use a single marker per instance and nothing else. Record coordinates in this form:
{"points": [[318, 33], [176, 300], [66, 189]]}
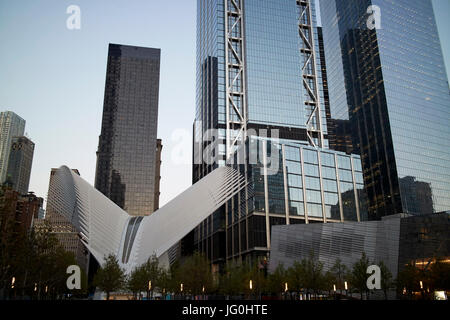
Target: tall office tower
{"points": [[127, 152], [63, 229], [19, 164], [389, 94], [260, 66], [11, 125]]}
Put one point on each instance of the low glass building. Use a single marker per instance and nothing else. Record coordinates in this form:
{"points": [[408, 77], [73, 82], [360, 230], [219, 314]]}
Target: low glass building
{"points": [[289, 183]]}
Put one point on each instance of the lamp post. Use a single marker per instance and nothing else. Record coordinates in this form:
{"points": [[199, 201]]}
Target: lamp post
{"points": [[421, 288], [149, 289], [13, 281], [334, 289], [181, 289], [346, 288], [250, 285], [285, 289]]}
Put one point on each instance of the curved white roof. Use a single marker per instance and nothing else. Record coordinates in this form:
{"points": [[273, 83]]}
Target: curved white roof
{"points": [[105, 228]]}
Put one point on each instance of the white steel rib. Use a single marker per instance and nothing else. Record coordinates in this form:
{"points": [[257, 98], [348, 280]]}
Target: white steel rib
{"points": [[105, 228]]}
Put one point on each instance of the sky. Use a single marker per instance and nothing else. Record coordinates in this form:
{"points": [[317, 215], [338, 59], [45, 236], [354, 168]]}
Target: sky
{"points": [[54, 77]]}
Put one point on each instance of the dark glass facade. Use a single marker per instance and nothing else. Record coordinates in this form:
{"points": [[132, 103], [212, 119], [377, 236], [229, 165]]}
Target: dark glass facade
{"points": [[389, 94], [11, 125], [263, 42], [19, 164], [128, 154]]}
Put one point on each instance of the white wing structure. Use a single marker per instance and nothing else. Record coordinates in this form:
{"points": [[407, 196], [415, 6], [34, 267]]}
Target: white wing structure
{"points": [[105, 228], [99, 221]]}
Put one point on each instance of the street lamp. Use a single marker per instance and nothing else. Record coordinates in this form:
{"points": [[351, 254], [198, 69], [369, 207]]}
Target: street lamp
{"points": [[149, 289], [334, 289], [421, 284], [35, 287], [285, 290], [13, 280], [251, 285], [181, 287], [346, 288]]}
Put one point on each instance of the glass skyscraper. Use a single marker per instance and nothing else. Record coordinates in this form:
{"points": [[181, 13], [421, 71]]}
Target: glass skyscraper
{"points": [[128, 155], [11, 125], [19, 164], [389, 100], [261, 66]]}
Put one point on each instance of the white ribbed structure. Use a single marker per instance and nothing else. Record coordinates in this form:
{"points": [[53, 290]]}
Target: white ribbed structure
{"points": [[106, 228]]}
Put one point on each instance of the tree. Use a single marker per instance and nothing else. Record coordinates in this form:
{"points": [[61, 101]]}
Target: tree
{"points": [[439, 276], [152, 274], [195, 275], [136, 281], [145, 277], [35, 259], [164, 282], [232, 280], [110, 277], [408, 280], [256, 275], [296, 276], [309, 274], [339, 274], [386, 279], [358, 277], [314, 276], [276, 280]]}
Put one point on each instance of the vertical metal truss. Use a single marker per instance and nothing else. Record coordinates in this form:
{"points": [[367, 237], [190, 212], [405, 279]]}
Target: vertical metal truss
{"points": [[310, 83], [236, 106]]}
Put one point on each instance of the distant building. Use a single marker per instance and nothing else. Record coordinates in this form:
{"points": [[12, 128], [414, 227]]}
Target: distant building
{"points": [[63, 229], [19, 164], [11, 125], [21, 210], [41, 214], [127, 150]]}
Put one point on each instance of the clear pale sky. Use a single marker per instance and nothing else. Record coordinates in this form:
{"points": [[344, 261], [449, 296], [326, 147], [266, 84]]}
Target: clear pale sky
{"points": [[54, 78]]}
